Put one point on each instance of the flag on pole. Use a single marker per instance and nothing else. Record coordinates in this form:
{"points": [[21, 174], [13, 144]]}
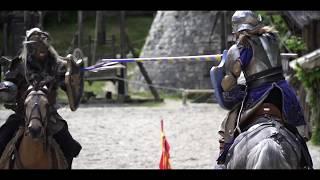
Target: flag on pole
{"points": [[165, 156]]}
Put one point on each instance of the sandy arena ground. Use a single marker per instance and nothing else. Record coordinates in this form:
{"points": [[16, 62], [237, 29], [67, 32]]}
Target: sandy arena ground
{"points": [[128, 136]]}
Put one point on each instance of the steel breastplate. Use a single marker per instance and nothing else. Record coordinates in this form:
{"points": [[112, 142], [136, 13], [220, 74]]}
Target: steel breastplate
{"points": [[266, 59]]}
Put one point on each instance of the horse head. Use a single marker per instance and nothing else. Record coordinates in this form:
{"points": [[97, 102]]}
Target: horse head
{"points": [[36, 112]]}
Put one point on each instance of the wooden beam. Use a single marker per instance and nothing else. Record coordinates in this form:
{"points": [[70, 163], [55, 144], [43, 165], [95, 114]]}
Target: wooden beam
{"points": [[59, 16], [5, 39], [94, 50], [273, 13], [41, 17], [122, 86], [143, 70], [101, 28], [223, 32], [317, 33]]}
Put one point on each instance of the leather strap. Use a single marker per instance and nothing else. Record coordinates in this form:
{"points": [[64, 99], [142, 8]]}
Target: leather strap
{"points": [[266, 109]]}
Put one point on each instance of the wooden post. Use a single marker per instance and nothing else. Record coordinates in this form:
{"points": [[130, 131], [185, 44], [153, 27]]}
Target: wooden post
{"points": [[26, 20], [317, 33], [143, 71], [17, 29], [312, 35], [226, 29], [101, 28], [122, 88], [184, 97], [216, 18], [59, 17], [80, 27], [41, 14], [113, 45], [89, 51], [95, 38], [4, 45], [309, 34], [5, 39], [305, 37], [229, 35], [223, 33]]}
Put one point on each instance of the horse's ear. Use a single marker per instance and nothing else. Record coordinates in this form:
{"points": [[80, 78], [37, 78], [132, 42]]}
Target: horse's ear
{"points": [[30, 88], [45, 89]]}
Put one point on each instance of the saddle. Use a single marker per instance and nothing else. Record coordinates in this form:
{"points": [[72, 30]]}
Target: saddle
{"points": [[264, 110]]}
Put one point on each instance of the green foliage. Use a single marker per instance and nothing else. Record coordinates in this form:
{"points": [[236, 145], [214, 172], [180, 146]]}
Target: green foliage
{"points": [[316, 137], [274, 20], [280, 25], [96, 87], [311, 80], [308, 78], [295, 44]]}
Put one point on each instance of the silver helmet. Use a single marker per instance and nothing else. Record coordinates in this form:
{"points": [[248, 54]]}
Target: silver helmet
{"points": [[245, 20]]}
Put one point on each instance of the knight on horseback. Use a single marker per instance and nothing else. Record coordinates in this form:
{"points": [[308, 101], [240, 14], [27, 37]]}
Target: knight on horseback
{"points": [[265, 99], [37, 65]]}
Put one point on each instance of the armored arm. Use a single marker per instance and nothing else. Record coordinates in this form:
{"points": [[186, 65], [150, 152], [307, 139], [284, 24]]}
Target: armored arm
{"points": [[8, 92], [12, 78], [61, 71], [228, 92], [232, 69]]}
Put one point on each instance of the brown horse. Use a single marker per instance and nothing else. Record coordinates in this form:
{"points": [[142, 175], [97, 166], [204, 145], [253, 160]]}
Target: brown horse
{"points": [[33, 147]]}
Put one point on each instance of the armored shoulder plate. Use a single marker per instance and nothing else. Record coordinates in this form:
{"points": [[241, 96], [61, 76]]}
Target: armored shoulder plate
{"points": [[232, 55], [266, 54], [16, 68]]}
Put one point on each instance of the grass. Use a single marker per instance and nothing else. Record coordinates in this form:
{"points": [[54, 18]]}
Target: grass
{"points": [[316, 137], [162, 94], [96, 87]]}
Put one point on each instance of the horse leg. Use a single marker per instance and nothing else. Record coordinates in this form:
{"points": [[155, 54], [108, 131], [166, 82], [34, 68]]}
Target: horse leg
{"points": [[7, 131]]}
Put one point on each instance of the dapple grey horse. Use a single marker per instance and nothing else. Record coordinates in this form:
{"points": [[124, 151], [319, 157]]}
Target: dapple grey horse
{"points": [[268, 144]]}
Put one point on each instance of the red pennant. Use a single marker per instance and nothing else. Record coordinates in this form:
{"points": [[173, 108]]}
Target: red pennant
{"points": [[165, 156]]}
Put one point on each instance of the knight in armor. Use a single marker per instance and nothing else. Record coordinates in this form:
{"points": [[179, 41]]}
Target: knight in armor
{"points": [[38, 64], [265, 92]]}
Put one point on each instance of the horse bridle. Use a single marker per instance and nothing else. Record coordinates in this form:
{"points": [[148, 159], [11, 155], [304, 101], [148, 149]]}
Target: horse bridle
{"points": [[36, 106]]}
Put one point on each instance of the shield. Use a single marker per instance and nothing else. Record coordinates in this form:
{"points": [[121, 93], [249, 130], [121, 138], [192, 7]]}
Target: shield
{"points": [[74, 78], [226, 100]]}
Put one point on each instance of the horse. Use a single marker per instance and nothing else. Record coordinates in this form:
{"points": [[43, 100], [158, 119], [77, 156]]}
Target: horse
{"points": [[33, 147], [268, 143]]}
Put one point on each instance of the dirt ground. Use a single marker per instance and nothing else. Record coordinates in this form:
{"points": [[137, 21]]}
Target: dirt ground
{"points": [[128, 136]]}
